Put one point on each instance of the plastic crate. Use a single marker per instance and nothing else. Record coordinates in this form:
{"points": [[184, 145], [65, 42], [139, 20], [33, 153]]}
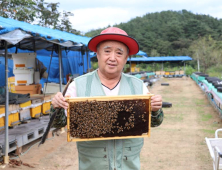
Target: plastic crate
{"points": [[35, 112], [23, 76], [26, 104], [46, 107], [25, 114]]}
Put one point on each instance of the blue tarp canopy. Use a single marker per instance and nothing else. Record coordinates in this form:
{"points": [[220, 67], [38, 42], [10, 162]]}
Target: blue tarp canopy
{"points": [[22, 36], [14, 32], [141, 53], [160, 59], [72, 62]]}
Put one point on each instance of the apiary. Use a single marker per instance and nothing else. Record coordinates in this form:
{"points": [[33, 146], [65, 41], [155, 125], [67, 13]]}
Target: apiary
{"points": [[108, 117]]}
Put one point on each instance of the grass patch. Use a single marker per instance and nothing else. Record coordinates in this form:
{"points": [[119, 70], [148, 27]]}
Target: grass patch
{"points": [[208, 131], [206, 117], [199, 102]]}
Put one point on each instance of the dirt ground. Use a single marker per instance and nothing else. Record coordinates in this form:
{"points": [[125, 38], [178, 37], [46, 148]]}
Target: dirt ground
{"points": [[178, 144]]}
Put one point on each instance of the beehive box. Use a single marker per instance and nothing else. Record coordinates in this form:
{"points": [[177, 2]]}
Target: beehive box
{"points": [[26, 104], [35, 112], [108, 117], [46, 107], [25, 114], [181, 72], [13, 119], [171, 73], [167, 73]]}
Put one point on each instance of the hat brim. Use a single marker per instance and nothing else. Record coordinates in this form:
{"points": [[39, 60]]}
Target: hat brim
{"points": [[130, 42]]}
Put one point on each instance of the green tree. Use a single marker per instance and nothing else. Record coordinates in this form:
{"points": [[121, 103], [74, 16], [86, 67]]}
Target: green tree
{"points": [[205, 50], [22, 10], [38, 12]]}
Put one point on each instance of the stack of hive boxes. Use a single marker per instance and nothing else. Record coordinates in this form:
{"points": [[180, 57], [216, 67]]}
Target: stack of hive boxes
{"points": [[24, 71], [45, 101], [34, 108]]}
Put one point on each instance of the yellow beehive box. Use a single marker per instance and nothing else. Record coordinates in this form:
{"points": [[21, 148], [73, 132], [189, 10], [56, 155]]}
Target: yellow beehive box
{"points": [[26, 104], [35, 112], [2, 109], [137, 69], [2, 120], [11, 79], [167, 73], [172, 73], [13, 119], [46, 107], [11, 87]]}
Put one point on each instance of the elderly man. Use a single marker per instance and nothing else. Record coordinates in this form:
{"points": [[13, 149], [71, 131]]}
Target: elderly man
{"points": [[113, 46]]}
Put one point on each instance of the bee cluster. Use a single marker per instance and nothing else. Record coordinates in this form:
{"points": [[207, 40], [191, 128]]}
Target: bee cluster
{"points": [[89, 119]]}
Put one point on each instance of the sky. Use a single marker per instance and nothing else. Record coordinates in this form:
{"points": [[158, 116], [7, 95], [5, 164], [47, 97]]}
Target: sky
{"points": [[94, 14]]}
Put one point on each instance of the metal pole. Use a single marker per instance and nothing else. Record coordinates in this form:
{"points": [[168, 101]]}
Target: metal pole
{"points": [[130, 65], [82, 63], [184, 67], [6, 157], [198, 65], [60, 68], [162, 66], [87, 54]]}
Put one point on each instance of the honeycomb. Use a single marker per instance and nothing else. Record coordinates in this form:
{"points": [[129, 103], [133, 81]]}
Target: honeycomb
{"points": [[91, 119]]}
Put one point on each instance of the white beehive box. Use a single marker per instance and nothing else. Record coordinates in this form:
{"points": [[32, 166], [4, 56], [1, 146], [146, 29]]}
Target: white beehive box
{"points": [[24, 76], [24, 60]]}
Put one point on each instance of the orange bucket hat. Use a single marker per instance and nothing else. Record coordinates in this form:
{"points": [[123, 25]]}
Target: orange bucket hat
{"points": [[115, 34]]}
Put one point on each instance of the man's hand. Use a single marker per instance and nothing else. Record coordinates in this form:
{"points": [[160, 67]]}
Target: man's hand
{"points": [[156, 102], [59, 101]]}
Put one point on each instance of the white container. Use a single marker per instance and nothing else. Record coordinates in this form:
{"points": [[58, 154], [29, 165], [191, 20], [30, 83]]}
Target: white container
{"points": [[36, 77], [24, 76], [52, 88], [25, 114], [24, 60]]}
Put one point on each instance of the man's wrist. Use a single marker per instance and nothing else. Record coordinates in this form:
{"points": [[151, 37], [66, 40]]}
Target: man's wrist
{"points": [[156, 113]]}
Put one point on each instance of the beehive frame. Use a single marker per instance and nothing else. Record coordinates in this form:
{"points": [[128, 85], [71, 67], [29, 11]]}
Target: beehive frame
{"points": [[146, 98]]}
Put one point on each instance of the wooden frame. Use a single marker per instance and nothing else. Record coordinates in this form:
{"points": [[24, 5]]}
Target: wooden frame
{"points": [[109, 98]]}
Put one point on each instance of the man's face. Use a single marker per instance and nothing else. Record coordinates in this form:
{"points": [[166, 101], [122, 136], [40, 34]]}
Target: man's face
{"points": [[112, 56]]}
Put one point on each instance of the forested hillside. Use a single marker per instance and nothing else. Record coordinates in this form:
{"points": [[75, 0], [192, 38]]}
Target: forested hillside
{"points": [[169, 33], [178, 33]]}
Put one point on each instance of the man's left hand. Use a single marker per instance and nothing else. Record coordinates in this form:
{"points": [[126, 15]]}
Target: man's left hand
{"points": [[156, 102]]}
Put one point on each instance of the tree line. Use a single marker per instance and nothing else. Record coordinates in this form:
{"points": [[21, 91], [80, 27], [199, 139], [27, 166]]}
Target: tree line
{"points": [[166, 33], [38, 12], [177, 33]]}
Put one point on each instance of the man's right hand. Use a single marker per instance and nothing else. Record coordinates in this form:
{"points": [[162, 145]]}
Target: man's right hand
{"points": [[59, 101]]}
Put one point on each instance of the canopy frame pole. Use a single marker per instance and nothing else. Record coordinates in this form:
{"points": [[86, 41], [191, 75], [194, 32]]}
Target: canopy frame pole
{"points": [[130, 65], [87, 55], [6, 157], [184, 67], [82, 59], [162, 66], [60, 68]]}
